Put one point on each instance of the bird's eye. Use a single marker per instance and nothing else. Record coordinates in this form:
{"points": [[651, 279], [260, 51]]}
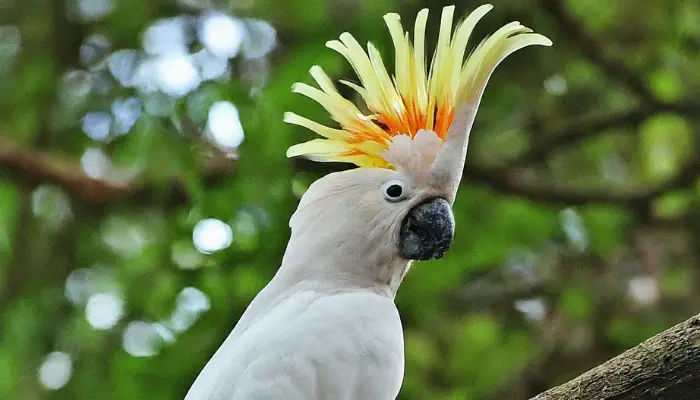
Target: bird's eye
{"points": [[394, 190]]}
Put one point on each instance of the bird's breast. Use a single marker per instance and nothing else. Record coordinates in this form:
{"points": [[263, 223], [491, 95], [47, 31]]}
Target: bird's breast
{"points": [[315, 346]]}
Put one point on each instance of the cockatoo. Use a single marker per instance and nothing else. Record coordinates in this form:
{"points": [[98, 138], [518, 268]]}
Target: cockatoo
{"points": [[326, 326]]}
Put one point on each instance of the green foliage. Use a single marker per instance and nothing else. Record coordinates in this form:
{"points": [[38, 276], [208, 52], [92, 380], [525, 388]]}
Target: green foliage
{"points": [[667, 141], [577, 303], [585, 251]]}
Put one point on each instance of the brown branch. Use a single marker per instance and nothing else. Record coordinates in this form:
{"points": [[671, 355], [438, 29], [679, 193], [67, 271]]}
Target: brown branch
{"points": [[31, 167], [574, 133], [667, 366], [508, 182], [594, 51], [577, 131], [36, 166]]}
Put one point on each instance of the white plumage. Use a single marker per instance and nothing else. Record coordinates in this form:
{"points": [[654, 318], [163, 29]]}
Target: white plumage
{"points": [[311, 345]]}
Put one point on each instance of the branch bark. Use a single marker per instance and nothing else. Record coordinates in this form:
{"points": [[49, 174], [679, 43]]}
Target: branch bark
{"points": [[667, 366], [589, 127], [35, 167], [510, 182], [32, 167]]}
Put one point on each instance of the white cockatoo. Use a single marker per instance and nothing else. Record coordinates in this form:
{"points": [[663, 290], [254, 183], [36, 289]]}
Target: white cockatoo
{"points": [[326, 326]]}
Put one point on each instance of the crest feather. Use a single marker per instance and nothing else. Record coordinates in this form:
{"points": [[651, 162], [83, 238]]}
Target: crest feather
{"points": [[411, 111]]}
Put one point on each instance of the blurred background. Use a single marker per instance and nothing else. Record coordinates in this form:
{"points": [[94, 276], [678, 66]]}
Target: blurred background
{"points": [[145, 194]]}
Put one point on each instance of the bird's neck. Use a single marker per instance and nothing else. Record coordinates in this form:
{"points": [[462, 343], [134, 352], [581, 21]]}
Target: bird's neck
{"points": [[339, 268]]}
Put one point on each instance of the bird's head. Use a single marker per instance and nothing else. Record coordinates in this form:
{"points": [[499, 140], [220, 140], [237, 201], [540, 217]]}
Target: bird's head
{"points": [[410, 146]]}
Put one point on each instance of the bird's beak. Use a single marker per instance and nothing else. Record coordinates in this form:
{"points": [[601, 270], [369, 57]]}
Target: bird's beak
{"points": [[427, 231]]}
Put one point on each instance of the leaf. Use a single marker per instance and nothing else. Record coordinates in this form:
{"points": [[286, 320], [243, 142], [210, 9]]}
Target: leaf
{"points": [[667, 85], [666, 142], [577, 303]]}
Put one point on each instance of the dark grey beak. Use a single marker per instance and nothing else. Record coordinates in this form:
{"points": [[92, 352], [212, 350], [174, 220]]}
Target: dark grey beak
{"points": [[427, 231]]}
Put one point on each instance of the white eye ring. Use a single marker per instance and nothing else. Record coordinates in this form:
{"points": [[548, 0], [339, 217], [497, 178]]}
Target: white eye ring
{"points": [[394, 190]]}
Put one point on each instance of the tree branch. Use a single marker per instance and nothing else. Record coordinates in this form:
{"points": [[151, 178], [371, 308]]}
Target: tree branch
{"points": [[509, 182], [666, 366], [34, 167], [576, 132], [586, 128]]}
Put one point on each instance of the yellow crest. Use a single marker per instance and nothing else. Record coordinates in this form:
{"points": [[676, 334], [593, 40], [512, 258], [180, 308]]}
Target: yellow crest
{"points": [[411, 101]]}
